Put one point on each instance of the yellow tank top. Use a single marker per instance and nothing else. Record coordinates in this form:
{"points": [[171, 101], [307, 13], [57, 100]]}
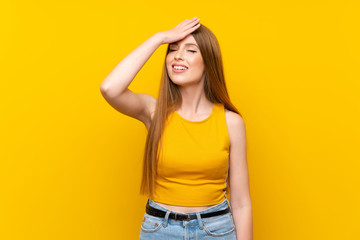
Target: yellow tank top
{"points": [[193, 161]]}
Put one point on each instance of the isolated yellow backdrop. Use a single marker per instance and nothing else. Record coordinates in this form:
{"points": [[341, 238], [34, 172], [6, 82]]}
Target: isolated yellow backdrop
{"points": [[71, 164]]}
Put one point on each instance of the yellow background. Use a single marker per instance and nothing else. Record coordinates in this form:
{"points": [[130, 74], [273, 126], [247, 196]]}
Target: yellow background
{"points": [[71, 164]]}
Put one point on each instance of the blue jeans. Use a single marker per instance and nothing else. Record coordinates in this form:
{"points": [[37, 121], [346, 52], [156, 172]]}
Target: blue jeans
{"points": [[210, 228]]}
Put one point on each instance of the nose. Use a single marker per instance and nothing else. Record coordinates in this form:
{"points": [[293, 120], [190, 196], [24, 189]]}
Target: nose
{"points": [[179, 55]]}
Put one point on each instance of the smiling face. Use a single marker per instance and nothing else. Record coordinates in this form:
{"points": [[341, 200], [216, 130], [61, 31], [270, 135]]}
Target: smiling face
{"points": [[187, 53]]}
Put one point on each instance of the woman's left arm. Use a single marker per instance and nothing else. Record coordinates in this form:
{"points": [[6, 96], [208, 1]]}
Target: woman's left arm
{"points": [[240, 200]]}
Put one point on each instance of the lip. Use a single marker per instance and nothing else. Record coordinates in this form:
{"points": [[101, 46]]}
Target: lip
{"points": [[177, 70]]}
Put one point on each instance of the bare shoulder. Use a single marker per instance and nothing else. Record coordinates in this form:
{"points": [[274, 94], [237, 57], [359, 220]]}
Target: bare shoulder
{"points": [[235, 125], [233, 119]]}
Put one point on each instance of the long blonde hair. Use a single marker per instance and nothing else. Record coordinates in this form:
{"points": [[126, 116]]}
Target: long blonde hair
{"points": [[169, 100]]}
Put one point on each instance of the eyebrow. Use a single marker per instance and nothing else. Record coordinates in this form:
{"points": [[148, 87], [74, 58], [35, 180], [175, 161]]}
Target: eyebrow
{"points": [[186, 44]]}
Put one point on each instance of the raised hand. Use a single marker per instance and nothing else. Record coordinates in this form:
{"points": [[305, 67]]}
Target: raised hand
{"points": [[180, 31]]}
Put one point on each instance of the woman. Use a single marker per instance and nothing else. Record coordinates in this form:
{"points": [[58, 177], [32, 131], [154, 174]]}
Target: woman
{"points": [[196, 143]]}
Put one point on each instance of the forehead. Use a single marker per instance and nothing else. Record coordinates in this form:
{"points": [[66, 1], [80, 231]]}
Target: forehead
{"points": [[188, 41]]}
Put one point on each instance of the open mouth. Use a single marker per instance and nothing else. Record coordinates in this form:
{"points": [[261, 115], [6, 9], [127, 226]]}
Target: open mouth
{"points": [[177, 68]]}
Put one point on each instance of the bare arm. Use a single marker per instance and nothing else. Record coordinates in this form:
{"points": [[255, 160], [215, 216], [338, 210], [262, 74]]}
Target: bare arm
{"points": [[240, 199], [121, 76], [114, 87]]}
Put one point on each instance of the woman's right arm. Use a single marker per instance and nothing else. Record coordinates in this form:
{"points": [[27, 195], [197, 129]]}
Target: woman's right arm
{"points": [[114, 87]]}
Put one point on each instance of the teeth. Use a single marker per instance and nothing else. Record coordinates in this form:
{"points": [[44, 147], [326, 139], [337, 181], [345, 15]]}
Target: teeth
{"points": [[179, 68]]}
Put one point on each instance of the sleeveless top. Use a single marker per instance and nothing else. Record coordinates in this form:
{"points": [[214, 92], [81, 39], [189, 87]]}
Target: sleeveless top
{"points": [[193, 161]]}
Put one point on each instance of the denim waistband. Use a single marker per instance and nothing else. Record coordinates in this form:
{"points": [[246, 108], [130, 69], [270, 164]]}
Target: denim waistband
{"points": [[220, 206]]}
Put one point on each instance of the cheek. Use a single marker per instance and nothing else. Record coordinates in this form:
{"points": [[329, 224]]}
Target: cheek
{"points": [[198, 64], [168, 61], [198, 61], [168, 66]]}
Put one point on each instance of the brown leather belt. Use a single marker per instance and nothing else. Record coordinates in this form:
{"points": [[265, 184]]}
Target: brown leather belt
{"points": [[181, 216]]}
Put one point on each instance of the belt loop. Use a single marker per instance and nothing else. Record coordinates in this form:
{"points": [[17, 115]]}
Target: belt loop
{"points": [[201, 225], [147, 203], [166, 218]]}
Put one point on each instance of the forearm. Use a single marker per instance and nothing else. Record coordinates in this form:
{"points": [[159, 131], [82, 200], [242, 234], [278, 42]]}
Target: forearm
{"points": [[125, 71], [243, 222]]}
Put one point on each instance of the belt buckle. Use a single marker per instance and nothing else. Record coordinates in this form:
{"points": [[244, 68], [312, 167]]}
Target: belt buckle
{"points": [[186, 219]]}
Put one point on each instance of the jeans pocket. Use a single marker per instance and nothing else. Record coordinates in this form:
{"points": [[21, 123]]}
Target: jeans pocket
{"points": [[219, 225], [151, 223]]}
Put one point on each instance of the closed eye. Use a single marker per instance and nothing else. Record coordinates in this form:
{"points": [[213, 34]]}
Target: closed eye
{"points": [[171, 50]]}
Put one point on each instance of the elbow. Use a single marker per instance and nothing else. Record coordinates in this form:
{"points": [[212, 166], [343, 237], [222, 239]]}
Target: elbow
{"points": [[109, 92], [241, 206], [103, 90], [103, 87]]}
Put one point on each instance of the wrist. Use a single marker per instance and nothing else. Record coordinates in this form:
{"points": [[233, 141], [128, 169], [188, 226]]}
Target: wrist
{"points": [[159, 38]]}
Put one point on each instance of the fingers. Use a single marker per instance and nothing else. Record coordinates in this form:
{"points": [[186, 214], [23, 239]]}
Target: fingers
{"points": [[182, 23], [192, 29], [192, 21], [187, 21], [191, 25]]}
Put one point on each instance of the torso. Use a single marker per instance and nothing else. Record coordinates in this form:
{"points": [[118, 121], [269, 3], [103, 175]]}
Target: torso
{"points": [[185, 209]]}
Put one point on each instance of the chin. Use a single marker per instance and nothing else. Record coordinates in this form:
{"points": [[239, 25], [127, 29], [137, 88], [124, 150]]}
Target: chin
{"points": [[184, 82]]}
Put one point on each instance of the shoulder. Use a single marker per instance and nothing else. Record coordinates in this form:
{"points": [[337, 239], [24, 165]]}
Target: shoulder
{"points": [[234, 119], [235, 125]]}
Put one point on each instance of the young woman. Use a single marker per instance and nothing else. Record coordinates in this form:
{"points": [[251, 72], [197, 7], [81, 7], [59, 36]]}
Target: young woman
{"points": [[196, 144]]}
